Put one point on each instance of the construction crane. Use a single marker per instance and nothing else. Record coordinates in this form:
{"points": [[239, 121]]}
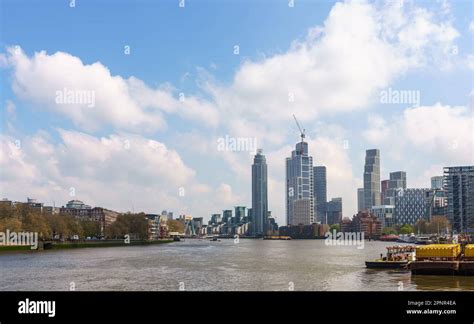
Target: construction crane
{"points": [[302, 131]]}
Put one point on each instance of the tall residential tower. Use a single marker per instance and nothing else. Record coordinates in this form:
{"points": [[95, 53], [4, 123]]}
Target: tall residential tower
{"points": [[372, 179], [299, 186], [259, 194], [459, 184], [320, 193]]}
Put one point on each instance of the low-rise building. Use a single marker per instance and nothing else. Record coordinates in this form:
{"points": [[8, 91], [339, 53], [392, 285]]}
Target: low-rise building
{"points": [[365, 222], [102, 215], [5, 202], [304, 231]]}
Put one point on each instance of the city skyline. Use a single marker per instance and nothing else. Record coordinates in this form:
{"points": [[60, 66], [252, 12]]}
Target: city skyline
{"points": [[136, 122]]}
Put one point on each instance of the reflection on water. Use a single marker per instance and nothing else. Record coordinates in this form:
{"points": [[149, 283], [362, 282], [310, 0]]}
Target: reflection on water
{"points": [[442, 282], [224, 265]]}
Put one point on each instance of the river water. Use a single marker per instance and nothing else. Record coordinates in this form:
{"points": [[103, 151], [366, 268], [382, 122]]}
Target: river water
{"points": [[204, 265]]}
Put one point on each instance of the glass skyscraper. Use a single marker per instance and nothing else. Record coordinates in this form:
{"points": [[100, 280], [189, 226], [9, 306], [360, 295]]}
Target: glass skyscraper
{"points": [[397, 182], [299, 187], [437, 182], [334, 211], [320, 193], [259, 194], [459, 185], [360, 199], [372, 179], [239, 213]]}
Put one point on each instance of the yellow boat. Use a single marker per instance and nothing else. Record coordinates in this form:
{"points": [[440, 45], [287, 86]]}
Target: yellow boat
{"points": [[397, 257]]}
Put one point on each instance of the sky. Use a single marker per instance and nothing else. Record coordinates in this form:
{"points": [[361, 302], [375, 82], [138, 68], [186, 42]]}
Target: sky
{"points": [[122, 104]]}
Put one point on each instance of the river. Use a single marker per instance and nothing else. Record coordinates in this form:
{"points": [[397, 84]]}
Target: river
{"points": [[195, 264]]}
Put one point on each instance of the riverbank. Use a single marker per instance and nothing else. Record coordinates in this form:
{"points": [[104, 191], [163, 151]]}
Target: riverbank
{"points": [[77, 245]]}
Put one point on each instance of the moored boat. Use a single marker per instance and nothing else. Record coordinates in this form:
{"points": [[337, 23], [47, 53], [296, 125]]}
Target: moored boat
{"points": [[405, 238], [423, 240], [389, 238], [383, 264], [398, 257]]}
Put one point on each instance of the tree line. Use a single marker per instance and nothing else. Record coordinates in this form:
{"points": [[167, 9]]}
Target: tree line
{"points": [[22, 218]]}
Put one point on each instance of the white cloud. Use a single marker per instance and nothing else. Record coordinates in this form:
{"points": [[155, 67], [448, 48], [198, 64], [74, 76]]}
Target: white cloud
{"points": [[429, 133], [441, 130], [360, 48], [377, 130], [127, 104], [226, 196], [118, 171]]}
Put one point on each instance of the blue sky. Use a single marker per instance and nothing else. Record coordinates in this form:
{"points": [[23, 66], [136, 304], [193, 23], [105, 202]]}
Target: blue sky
{"points": [[420, 46]]}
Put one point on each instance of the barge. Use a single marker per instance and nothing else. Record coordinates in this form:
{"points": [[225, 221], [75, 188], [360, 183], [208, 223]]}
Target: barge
{"points": [[443, 259]]}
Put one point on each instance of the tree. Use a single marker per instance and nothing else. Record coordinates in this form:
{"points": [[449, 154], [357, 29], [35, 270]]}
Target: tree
{"points": [[58, 225], [35, 222], [73, 226], [7, 212], [389, 230], [10, 223], [438, 224], [334, 227], [135, 225], [406, 229], [421, 226], [90, 228]]}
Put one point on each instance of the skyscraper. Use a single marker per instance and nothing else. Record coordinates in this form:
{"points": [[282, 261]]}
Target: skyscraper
{"points": [[437, 182], [372, 179], [360, 199], [320, 193], [334, 211], [460, 191], [239, 213], [299, 186], [384, 187], [227, 216], [259, 194], [397, 182]]}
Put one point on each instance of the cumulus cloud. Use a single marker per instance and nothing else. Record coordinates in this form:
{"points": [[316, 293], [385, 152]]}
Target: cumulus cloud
{"points": [[339, 66], [120, 170], [441, 130], [377, 130], [430, 133], [98, 98]]}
